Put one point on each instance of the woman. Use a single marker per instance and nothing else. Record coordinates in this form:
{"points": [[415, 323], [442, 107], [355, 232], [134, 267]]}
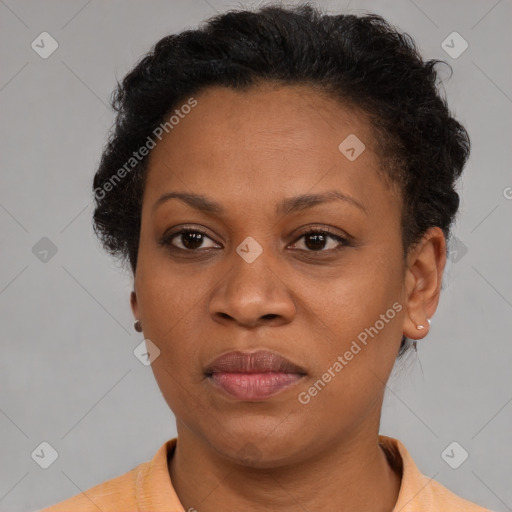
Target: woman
{"points": [[281, 183]]}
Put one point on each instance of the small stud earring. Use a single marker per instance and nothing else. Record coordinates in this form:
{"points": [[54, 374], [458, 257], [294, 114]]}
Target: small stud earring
{"points": [[419, 327], [137, 326]]}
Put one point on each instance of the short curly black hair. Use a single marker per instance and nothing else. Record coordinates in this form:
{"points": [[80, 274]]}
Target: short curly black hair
{"points": [[361, 61]]}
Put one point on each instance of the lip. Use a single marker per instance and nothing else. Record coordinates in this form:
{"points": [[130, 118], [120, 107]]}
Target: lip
{"points": [[253, 375]]}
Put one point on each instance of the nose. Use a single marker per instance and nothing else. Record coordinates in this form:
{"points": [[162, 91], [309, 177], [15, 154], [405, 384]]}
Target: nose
{"points": [[252, 294]]}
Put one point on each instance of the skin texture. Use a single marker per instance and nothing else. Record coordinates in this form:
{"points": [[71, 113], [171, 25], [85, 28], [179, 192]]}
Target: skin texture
{"points": [[248, 151]]}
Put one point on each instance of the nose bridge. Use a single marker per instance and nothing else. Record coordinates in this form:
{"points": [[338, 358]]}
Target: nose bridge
{"points": [[252, 288], [252, 273]]}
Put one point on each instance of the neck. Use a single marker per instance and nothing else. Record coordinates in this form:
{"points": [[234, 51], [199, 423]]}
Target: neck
{"points": [[352, 474]]}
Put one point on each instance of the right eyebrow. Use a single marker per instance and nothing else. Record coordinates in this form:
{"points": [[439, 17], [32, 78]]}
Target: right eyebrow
{"points": [[196, 201]]}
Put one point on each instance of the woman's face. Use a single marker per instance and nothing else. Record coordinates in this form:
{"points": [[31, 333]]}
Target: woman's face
{"points": [[254, 281]]}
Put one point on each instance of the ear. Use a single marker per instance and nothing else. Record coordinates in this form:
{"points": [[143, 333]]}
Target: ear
{"points": [[134, 305], [424, 273]]}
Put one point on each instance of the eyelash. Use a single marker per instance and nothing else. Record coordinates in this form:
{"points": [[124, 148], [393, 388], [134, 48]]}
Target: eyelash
{"points": [[167, 239]]}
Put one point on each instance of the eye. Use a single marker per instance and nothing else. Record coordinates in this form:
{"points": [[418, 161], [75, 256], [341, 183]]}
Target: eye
{"points": [[315, 240], [188, 239]]}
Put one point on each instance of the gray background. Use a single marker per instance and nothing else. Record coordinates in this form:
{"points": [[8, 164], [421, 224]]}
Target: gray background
{"points": [[68, 375]]}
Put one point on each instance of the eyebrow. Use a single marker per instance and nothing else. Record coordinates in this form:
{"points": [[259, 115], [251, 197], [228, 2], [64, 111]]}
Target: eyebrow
{"points": [[285, 207]]}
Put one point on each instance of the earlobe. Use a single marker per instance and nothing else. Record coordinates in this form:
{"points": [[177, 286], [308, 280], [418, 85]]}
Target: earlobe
{"points": [[423, 283]]}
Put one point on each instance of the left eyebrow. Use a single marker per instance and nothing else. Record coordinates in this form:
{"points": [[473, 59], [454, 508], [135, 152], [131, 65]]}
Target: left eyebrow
{"points": [[285, 207], [304, 201]]}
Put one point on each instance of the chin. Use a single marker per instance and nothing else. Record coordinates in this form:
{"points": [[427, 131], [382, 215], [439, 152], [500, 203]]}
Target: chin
{"points": [[263, 445]]}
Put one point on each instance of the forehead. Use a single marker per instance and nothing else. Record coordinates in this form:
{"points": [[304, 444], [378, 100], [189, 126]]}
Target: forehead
{"points": [[265, 139]]}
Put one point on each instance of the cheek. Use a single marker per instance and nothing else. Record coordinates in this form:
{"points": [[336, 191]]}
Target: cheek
{"points": [[353, 366], [167, 293], [170, 307], [174, 325], [358, 317], [358, 294]]}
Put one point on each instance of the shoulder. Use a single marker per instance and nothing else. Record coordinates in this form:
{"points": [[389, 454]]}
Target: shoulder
{"points": [[146, 486], [441, 498], [419, 493], [106, 496]]}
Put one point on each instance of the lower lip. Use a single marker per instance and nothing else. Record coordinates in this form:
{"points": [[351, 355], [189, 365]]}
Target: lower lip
{"points": [[254, 386]]}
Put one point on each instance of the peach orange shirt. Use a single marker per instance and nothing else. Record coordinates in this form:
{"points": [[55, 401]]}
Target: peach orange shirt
{"points": [[148, 488]]}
